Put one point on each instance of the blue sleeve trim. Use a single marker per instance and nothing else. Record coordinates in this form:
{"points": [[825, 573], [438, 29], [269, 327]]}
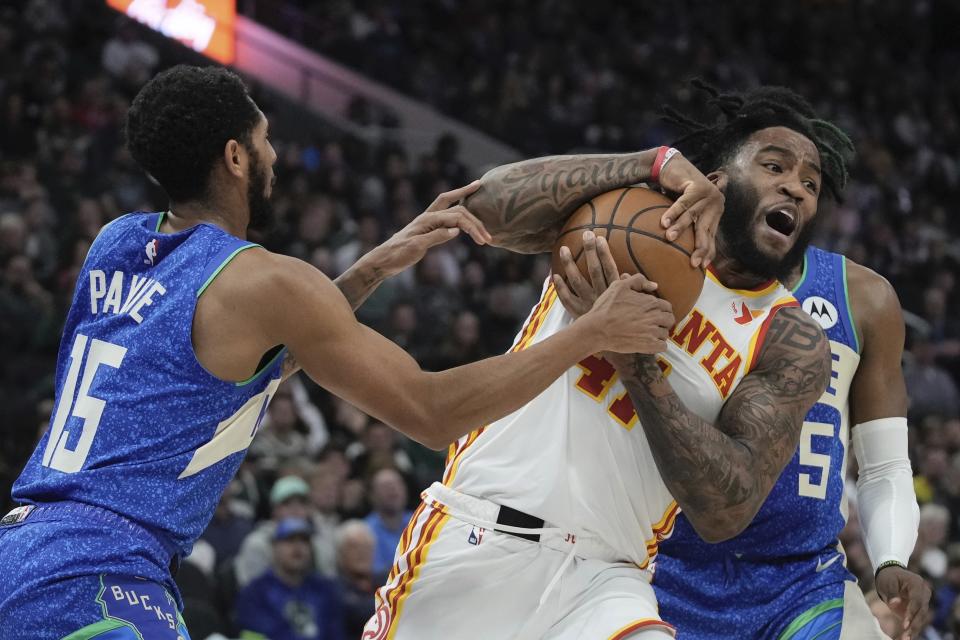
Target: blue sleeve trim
{"points": [[221, 259]]}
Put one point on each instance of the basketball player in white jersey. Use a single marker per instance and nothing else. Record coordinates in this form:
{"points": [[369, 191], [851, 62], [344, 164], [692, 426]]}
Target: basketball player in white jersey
{"points": [[547, 520]]}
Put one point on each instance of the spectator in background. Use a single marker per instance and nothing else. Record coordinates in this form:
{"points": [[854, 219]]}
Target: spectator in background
{"points": [[463, 344], [404, 329], [291, 601], [228, 528], [289, 498], [931, 389], [355, 549], [948, 592], [293, 427], [953, 626], [388, 497], [931, 536], [379, 449], [26, 309], [449, 167], [127, 58], [325, 485]]}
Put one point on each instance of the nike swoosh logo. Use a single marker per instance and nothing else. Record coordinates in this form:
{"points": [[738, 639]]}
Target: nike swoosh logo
{"points": [[822, 566]]}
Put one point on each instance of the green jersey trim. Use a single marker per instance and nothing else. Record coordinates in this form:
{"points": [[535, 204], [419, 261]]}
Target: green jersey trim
{"points": [[223, 264], [96, 629], [804, 618], [803, 276], [846, 295]]}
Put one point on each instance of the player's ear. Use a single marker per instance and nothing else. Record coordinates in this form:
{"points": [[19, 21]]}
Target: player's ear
{"points": [[719, 178], [233, 158]]}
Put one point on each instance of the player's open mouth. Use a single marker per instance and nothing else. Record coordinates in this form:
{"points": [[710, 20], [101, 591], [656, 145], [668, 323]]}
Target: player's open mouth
{"points": [[782, 219]]}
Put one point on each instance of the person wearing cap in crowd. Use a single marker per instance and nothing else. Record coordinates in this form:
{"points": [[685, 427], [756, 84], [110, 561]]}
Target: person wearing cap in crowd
{"points": [[289, 498], [291, 601]]}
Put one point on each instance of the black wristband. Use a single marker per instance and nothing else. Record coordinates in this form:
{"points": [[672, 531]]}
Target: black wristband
{"points": [[888, 563]]}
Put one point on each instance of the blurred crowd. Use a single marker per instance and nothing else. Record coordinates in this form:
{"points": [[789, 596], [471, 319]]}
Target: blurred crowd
{"points": [[308, 528]]}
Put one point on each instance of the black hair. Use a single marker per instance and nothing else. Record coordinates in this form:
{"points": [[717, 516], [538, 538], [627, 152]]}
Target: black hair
{"points": [[180, 121], [710, 145]]}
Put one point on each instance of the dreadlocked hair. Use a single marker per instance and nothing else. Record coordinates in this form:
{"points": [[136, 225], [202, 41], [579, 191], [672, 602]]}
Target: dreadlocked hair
{"points": [[710, 145]]}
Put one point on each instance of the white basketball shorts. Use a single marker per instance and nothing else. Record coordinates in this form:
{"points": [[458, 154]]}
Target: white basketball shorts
{"points": [[455, 577]]}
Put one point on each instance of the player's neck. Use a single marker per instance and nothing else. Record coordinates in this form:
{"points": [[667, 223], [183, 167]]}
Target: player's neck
{"points": [[734, 275], [183, 215], [791, 280], [222, 206]]}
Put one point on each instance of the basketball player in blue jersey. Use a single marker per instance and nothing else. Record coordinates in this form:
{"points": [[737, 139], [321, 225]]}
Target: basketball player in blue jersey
{"points": [[784, 577], [180, 332]]}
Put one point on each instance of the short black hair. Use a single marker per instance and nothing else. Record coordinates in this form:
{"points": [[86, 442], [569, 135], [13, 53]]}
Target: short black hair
{"points": [[710, 145], [180, 121]]}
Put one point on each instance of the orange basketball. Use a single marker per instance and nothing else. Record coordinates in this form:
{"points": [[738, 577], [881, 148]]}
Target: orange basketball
{"points": [[630, 221]]}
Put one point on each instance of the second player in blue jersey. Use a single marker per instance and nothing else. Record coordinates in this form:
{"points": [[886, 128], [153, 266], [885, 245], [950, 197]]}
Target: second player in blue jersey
{"points": [[785, 576]]}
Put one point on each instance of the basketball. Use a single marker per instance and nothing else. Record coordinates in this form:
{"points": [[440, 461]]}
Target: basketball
{"points": [[630, 221]]}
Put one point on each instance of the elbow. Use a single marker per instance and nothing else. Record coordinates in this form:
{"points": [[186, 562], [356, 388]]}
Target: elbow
{"points": [[435, 444], [422, 423], [428, 434]]}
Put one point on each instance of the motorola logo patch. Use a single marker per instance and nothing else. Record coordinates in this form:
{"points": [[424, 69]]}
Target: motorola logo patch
{"points": [[822, 311]]}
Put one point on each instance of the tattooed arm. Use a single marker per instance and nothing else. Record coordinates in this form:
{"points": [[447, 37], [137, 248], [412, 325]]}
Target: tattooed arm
{"points": [[525, 205], [721, 474]]}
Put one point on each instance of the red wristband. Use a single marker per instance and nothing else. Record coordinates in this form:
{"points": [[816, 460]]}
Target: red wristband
{"points": [[663, 157]]}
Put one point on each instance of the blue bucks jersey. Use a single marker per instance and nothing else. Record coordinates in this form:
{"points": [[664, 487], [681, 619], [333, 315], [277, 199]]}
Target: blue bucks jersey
{"points": [[797, 527], [140, 428]]}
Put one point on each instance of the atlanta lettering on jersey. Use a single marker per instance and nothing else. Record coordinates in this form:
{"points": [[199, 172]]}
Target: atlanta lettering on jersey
{"points": [[139, 291], [722, 362]]}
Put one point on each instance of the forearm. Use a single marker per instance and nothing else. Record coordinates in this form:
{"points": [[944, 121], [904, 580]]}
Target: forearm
{"points": [[708, 472], [360, 280], [459, 400], [524, 205], [886, 501]]}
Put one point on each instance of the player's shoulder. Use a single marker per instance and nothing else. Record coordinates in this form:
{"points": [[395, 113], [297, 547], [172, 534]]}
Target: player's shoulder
{"points": [[259, 282], [870, 293], [791, 321], [794, 339], [258, 271], [861, 276]]}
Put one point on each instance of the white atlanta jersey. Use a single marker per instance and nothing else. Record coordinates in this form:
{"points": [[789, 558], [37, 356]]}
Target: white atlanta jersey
{"points": [[576, 457]]}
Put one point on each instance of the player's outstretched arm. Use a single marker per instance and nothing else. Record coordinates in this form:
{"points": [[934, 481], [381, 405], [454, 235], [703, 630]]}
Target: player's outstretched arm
{"points": [[525, 204], [442, 221], [721, 474], [886, 501], [299, 307]]}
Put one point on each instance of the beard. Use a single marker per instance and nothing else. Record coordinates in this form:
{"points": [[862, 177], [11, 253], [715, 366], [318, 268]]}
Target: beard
{"points": [[261, 209], [740, 243]]}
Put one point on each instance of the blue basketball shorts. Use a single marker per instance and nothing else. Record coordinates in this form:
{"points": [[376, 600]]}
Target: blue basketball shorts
{"points": [[798, 599], [73, 572]]}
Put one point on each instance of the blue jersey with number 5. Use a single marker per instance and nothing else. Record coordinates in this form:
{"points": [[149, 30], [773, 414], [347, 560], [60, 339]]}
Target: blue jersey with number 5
{"points": [[799, 523], [140, 427]]}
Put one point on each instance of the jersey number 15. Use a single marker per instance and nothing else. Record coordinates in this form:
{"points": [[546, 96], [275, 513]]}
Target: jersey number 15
{"points": [[86, 407]]}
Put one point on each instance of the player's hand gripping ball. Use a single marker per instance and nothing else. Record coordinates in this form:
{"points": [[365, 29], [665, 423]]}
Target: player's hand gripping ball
{"points": [[629, 220]]}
